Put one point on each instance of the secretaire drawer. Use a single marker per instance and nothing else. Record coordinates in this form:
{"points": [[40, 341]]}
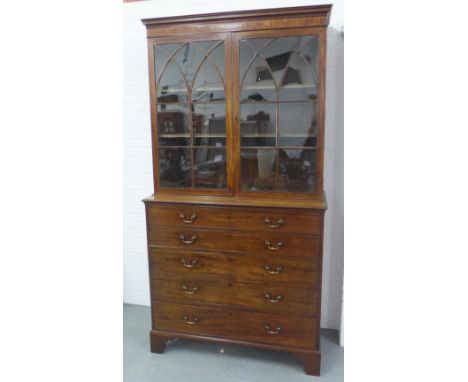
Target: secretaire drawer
{"points": [[240, 218], [277, 268], [288, 330], [273, 297], [235, 241]]}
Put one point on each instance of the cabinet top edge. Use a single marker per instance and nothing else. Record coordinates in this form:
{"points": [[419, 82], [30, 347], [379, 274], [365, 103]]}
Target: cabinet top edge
{"points": [[314, 10], [230, 201]]}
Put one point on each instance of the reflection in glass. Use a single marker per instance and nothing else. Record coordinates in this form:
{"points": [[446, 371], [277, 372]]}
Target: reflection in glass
{"points": [[297, 124], [174, 167], [192, 57], [278, 113], [173, 129], [309, 51], [304, 61], [258, 84], [210, 168], [162, 55], [253, 69], [209, 124], [191, 112], [281, 67], [258, 125], [296, 170], [258, 169], [209, 81], [171, 81], [198, 67]]}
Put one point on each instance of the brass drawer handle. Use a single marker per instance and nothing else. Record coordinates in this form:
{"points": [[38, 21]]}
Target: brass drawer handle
{"points": [[185, 241], [189, 290], [278, 245], [190, 264], [189, 321], [268, 297], [271, 271], [278, 224], [270, 331], [188, 220]]}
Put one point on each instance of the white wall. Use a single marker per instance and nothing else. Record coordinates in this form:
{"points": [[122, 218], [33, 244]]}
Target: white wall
{"points": [[137, 143]]}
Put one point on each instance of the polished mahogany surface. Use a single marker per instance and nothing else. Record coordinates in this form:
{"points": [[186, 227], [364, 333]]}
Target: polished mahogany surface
{"points": [[235, 224]]}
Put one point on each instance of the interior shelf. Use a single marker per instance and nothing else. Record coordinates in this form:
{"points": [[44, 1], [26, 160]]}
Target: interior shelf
{"points": [[248, 87], [196, 135], [219, 102], [272, 135], [272, 87], [253, 135], [210, 135], [200, 89], [248, 101], [280, 147], [174, 135]]}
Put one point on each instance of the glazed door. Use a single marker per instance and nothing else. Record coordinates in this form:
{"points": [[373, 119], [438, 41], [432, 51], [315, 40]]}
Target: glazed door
{"points": [[190, 91], [278, 117]]}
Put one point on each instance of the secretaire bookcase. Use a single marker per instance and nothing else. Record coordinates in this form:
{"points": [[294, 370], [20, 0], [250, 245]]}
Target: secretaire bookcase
{"points": [[235, 224]]}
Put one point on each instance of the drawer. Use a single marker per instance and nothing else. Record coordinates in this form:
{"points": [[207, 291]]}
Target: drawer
{"points": [[267, 297], [277, 268], [234, 241], [239, 218], [275, 329]]}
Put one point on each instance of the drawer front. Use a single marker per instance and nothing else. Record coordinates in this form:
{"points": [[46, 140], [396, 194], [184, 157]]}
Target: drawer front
{"points": [[267, 297], [277, 268], [193, 216], [269, 220], [286, 330], [234, 241]]}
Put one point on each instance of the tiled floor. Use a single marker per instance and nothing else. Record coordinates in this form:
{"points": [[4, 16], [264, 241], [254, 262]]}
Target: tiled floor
{"points": [[205, 362]]}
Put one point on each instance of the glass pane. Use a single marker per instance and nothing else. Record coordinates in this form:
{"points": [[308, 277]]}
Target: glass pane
{"points": [[175, 167], [209, 124], [189, 59], [296, 170], [209, 80], [257, 82], [162, 55], [173, 127], [299, 81], [258, 169], [247, 53], [210, 168], [172, 83], [289, 64], [309, 51], [258, 125], [278, 113], [297, 124], [191, 114], [277, 55]]}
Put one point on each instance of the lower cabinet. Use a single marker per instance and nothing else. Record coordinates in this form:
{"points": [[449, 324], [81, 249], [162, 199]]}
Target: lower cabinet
{"points": [[232, 283]]}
